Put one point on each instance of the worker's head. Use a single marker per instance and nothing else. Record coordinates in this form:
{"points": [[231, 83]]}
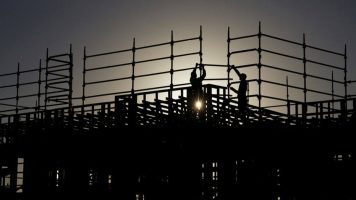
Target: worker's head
{"points": [[243, 76]]}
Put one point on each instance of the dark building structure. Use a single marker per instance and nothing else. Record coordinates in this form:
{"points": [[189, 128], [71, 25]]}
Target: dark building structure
{"points": [[146, 144]]}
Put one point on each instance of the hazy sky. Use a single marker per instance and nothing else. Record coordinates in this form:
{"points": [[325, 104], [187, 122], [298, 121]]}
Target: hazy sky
{"points": [[29, 27]]}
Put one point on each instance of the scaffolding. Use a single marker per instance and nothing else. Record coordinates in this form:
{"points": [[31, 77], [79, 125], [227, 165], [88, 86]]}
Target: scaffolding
{"points": [[51, 89], [82, 148]]}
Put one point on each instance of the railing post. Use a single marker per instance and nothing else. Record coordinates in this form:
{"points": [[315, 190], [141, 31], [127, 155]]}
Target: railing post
{"points": [[102, 116], [47, 118], [321, 111], [297, 113], [343, 109], [209, 105], [28, 118], [120, 112], [304, 113], [288, 112], [288, 102], [55, 117], [71, 117], [317, 111], [132, 110]]}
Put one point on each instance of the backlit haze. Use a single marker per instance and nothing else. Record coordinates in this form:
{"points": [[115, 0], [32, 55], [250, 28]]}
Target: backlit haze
{"points": [[29, 27]]}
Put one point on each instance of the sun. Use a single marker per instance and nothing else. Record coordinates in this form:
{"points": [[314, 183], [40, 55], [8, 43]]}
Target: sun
{"points": [[198, 104]]}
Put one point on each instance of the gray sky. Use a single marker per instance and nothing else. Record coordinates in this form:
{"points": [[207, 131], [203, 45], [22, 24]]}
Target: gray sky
{"points": [[29, 27]]}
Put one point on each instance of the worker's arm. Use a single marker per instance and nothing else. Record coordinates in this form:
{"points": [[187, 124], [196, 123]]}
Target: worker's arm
{"points": [[237, 71], [204, 73]]}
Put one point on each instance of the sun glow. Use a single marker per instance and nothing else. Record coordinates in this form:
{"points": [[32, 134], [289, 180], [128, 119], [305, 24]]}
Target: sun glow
{"points": [[198, 104]]}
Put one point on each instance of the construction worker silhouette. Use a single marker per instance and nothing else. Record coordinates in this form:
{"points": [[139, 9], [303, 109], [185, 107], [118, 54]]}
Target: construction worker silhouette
{"points": [[196, 98], [241, 92]]}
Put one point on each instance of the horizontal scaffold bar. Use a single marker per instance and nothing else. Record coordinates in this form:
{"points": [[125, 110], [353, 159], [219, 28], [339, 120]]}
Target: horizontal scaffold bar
{"points": [[108, 80], [28, 83], [28, 71], [58, 55], [57, 83], [9, 74], [142, 47], [58, 70], [300, 88], [7, 98], [28, 95], [7, 86], [281, 39], [328, 51], [56, 66], [282, 54], [217, 79], [61, 61], [59, 75], [59, 88], [243, 51], [56, 96], [326, 65], [308, 46], [244, 37], [138, 62], [11, 105], [54, 79], [300, 73], [249, 80], [20, 72]]}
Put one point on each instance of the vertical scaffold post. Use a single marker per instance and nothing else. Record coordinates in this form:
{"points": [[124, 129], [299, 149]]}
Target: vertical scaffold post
{"points": [[83, 83], [170, 93], [39, 86], [287, 86], [200, 48], [305, 70], [259, 69], [70, 95], [228, 61], [288, 103], [304, 106], [17, 88], [46, 83], [332, 92], [209, 104], [345, 73], [133, 68], [172, 59]]}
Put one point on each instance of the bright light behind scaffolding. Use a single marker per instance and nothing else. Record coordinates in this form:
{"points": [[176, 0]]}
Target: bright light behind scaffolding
{"points": [[198, 104]]}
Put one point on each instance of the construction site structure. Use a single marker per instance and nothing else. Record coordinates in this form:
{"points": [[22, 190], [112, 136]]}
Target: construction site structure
{"points": [[155, 143]]}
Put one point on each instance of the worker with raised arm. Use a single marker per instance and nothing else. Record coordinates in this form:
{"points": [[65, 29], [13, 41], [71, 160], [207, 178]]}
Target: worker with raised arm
{"points": [[197, 100], [241, 92]]}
